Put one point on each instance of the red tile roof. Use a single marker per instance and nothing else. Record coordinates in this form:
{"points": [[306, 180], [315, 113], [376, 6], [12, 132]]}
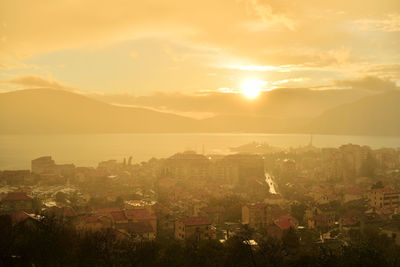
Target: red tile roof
{"points": [[284, 224], [17, 196], [118, 216], [62, 212], [107, 210], [289, 218], [139, 214], [92, 219], [349, 221], [140, 227], [191, 221], [19, 216], [354, 191], [352, 213]]}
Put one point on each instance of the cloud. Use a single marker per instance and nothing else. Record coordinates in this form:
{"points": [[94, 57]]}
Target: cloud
{"points": [[264, 11], [391, 70], [372, 83], [391, 23], [33, 81], [246, 35]]}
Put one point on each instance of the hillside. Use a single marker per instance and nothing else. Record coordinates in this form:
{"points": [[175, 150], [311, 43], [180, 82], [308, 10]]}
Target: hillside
{"points": [[372, 115], [57, 111]]}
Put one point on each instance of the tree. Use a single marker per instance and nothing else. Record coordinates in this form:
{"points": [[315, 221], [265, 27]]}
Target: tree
{"points": [[298, 210]]}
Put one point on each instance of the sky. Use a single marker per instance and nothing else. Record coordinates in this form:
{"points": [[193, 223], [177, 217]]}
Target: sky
{"points": [[197, 48]]}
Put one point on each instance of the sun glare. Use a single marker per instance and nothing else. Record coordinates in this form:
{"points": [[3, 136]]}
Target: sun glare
{"points": [[252, 88]]}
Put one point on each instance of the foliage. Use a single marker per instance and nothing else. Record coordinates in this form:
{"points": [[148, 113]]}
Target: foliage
{"points": [[52, 243]]}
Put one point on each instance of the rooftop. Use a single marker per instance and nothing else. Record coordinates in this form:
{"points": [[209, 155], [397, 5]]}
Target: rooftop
{"points": [[191, 221], [17, 196]]}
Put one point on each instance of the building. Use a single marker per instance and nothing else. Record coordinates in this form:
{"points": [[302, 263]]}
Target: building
{"points": [[384, 198], [15, 177], [351, 194], [141, 231], [15, 201], [43, 165], [279, 227], [197, 228], [142, 215], [260, 215], [187, 165], [240, 168], [392, 230], [95, 223]]}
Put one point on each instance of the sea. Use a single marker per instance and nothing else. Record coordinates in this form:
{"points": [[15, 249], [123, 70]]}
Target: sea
{"points": [[17, 151]]}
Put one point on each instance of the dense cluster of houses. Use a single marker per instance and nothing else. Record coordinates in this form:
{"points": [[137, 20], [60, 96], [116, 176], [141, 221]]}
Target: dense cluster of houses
{"points": [[194, 196]]}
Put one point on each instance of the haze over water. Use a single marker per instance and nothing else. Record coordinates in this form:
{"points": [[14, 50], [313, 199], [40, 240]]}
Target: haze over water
{"points": [[16, 151]]}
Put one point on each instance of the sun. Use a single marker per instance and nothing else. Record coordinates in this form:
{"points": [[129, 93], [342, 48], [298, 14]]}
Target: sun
{"points": [[252, 88]]}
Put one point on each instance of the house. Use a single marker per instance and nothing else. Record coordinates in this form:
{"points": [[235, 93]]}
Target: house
{"points": [[141, 231], [104, 211], [260, 215], [351, 194], [197, 228], [384, 198], [95, 223], [215, 214], [23, 219], [165, 219], [320, 221], [142, 215], [392, 230], [15, 201], [61, 212], [351, 219], [280, 226], [119, 219]]}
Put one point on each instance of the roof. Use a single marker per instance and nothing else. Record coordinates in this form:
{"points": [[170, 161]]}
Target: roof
{"points": [[191, 221], [284, 224], [64, 211], [118, 216], [20, 216], [354, 191], [352, 213], [92, 219], [140, 227], [140, 214], [350, 221], [386, 190], [320, 218], [107, 210], [17, 196], [289, 218]]}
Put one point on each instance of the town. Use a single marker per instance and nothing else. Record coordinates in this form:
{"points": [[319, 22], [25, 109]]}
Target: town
{"points": [[324, 197]]}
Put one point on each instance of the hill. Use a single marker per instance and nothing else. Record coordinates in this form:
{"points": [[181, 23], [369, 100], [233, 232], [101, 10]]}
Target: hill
{"points": [[372, 115], [58, 111]]}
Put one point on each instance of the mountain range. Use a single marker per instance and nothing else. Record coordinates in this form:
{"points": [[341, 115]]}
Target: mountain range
{"points": [[58, 111]]}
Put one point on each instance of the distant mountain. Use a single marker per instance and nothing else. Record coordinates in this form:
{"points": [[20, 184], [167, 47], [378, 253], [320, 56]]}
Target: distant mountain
{"points": [[58, 111], [254, 124], [278, 103], [372, 115]]}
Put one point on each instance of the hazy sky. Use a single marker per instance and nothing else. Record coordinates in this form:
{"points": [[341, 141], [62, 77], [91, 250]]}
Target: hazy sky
{"points": [[171, 46]]}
